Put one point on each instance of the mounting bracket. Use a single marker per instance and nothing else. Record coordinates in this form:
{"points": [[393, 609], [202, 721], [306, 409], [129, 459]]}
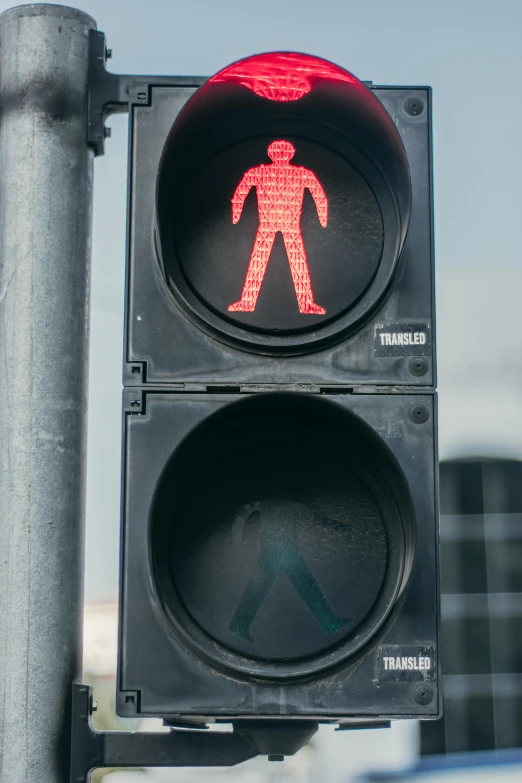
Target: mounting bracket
{"points": [[91, 748], [108, 93]]}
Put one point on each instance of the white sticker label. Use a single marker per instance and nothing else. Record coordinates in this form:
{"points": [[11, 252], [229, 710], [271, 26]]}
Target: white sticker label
{"points": [[406, 662], [402, 338]]}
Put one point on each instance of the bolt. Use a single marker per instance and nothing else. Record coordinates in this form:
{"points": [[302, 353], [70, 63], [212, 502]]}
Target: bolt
{"points": [[422, 694], [419, 414], [94, 706], [107, 132], [276, 757], [108, 54], [413, 107], [418, 366]]}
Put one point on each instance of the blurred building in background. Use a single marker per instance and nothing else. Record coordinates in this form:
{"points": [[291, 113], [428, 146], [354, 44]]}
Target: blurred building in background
{"points": [[481, 584]]}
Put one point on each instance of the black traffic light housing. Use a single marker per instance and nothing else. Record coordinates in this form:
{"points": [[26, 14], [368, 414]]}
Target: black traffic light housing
{"points": [[279, 531], [174, 334], [186, 458]]}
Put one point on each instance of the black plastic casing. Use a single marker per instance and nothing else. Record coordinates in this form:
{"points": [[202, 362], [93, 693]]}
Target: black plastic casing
{"points": [[177, 373], [166, 345]]}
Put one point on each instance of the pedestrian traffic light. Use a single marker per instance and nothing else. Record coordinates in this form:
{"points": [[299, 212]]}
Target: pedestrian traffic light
{"points": [[279, 536]]}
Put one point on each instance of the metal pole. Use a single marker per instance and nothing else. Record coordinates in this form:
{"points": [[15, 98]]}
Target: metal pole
{"points": [[45, 223]]}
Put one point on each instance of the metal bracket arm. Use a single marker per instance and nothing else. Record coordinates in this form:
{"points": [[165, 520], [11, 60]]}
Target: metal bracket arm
{"points": [[109, 92], [91, 748]]}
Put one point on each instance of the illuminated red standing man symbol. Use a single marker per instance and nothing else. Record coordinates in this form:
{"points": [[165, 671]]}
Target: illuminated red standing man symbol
{"points": [[280, 191]]}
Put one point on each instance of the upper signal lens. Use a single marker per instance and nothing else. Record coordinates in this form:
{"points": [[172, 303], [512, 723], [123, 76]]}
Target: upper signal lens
{"points": [[283, 202]]}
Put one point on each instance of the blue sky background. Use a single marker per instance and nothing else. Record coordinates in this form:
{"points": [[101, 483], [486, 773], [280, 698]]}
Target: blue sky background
{"points": [[470, 52]]}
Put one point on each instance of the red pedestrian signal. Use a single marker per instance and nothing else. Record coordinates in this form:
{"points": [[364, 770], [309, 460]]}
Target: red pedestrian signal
{"points": [[280, 190], [281, 273]]}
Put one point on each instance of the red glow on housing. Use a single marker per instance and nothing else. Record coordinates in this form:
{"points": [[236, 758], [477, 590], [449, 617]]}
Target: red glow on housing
{"points": [[282, 76], [280, 191]]}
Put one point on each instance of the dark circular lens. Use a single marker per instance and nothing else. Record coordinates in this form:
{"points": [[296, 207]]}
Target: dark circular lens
{"points": [[294, 548], [280, 220]]}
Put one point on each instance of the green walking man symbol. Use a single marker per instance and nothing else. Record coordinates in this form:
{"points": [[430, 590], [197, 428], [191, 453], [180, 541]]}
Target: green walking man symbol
{"points": [[280, 554]]}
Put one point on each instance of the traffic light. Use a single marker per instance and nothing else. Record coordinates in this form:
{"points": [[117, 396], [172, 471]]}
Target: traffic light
{"points": [[279, 522]]}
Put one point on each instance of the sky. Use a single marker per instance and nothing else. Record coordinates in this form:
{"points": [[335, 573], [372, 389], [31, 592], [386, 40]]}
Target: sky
{"points": [[469, 52]]}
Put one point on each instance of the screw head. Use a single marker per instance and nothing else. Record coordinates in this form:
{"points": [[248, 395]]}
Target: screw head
{"points": [[413, 106], [419, 414], [422, 693], [418, 366]]}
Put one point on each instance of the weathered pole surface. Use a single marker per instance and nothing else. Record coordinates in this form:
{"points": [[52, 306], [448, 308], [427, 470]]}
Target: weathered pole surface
{"points": [[45, 224]]}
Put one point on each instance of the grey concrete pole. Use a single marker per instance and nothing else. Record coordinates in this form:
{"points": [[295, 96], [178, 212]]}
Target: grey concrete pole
{"points": [[45, 224]]}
